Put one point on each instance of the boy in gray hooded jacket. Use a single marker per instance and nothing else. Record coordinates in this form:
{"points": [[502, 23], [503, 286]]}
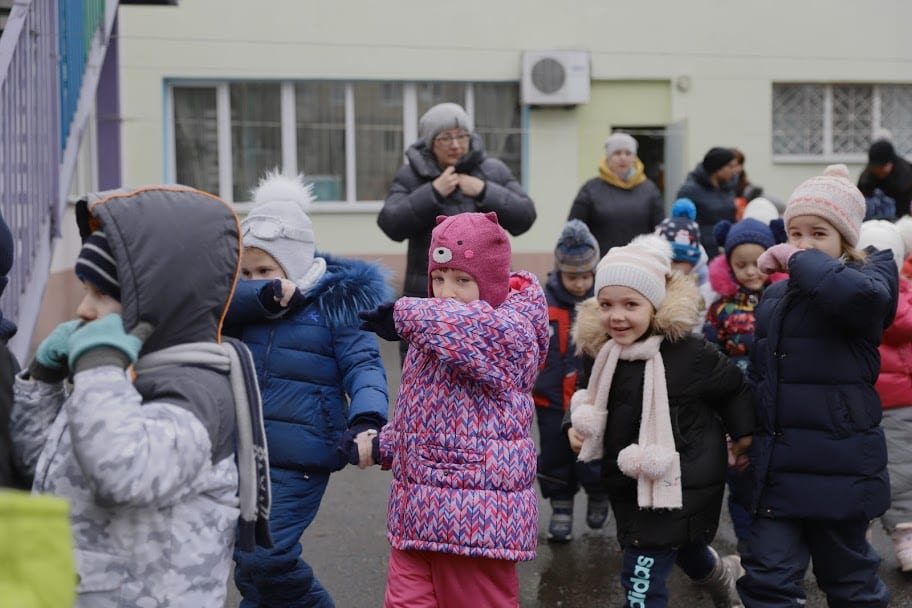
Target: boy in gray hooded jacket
{"points": [[146, 455]]}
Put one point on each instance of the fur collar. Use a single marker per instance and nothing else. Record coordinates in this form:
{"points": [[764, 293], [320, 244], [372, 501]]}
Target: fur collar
{"points": [[722, 279], [675, 319], [349, 285]]}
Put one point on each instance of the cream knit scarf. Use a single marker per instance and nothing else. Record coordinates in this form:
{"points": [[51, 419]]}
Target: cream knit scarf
{"points": [[653, 461]]}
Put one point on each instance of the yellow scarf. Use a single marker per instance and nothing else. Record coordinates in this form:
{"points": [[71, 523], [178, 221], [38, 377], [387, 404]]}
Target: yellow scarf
{"points": [[639, 175]]}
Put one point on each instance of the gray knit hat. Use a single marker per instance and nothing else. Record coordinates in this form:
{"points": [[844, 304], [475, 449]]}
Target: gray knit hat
{"points": [[620, 141], [441, 117], [279, 225], [576, 250], [643, 265]]}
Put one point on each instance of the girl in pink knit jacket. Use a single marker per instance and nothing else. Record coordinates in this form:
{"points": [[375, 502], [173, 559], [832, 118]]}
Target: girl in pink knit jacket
{"points": [[463, 508]]}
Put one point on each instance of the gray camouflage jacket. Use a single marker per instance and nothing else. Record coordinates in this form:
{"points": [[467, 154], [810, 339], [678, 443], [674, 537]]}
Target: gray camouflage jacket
{"points": [[147, 464]]}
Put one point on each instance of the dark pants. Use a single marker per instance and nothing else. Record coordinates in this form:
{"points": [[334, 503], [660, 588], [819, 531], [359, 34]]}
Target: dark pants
{"points": [[560, 475], [644, 572], [739, 500], [777, 557], [278, 576]]}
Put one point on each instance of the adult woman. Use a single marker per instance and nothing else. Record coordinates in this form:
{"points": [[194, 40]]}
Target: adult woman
{"points": [[621, 202], [447, 173]]}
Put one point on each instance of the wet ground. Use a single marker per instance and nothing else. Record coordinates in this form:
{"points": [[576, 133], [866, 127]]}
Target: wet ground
{"points": [[347, 547]]}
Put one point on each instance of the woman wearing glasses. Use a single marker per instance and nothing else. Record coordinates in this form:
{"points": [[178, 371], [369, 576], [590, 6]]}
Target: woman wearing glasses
{"points": [[447, 172]]}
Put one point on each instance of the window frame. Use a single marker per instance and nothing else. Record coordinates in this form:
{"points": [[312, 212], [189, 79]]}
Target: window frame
{"points": [[288, 152], [828, 156]]}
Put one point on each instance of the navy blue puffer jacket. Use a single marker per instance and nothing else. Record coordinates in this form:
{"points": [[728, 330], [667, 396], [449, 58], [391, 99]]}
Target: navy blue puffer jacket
{"points": [[317, 371], [819, 450]]}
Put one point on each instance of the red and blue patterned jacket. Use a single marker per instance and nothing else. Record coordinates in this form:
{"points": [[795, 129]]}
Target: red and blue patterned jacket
{"points": [[459, 442]]}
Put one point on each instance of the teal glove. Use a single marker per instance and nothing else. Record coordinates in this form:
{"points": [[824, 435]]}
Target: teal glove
{"points": [[50, 362], [105, 342]]}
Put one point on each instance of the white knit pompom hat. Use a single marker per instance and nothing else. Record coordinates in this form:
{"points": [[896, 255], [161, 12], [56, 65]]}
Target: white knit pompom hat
{"points": [[830, 196], [881, 235], [643, 265], [279, 225], [904, 225]]}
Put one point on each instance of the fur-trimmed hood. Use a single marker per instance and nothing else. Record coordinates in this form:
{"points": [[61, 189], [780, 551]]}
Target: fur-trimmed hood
{"points": [[675, 319], [722, 279], [348, 286]]}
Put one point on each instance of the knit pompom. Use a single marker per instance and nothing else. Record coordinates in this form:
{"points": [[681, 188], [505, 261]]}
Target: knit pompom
{"points": [[588, 421], [777, 226], [838, 170], [656, 461], [630, 460], [684, 207], [720, 232]]}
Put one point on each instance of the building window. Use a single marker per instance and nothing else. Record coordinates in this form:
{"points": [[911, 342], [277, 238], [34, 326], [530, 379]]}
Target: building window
{"points": [[835, 122], [347, 138], [196, 138]]}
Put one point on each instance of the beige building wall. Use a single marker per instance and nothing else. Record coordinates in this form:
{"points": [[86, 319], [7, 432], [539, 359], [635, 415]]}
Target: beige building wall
{"points": [[708, 63]]}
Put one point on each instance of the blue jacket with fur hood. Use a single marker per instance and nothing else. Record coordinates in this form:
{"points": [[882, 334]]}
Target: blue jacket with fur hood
{"points": [[317, 371]]}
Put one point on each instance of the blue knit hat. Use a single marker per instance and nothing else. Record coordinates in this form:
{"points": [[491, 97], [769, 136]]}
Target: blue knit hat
{"points": [[748, 230], [576, 250], [682, 231], [95, 264]]}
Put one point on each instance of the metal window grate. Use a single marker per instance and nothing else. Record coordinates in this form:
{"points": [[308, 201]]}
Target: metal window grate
{"points": [[798, 119]]}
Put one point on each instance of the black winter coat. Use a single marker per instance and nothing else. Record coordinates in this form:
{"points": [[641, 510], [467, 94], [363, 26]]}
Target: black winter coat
{"points": [[707, 396], [713, 203], [897, 185], [412, 205]]}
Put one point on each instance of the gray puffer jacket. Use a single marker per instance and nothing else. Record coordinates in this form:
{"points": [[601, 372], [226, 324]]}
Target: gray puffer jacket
{"points": [[148, 464], [412, 205]]}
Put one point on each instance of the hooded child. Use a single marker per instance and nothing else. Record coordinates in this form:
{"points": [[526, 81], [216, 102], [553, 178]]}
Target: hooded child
{"points": [[156, 440]]}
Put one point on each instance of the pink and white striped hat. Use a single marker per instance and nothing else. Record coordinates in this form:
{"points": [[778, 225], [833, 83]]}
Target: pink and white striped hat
{"points": [[832, 197]]}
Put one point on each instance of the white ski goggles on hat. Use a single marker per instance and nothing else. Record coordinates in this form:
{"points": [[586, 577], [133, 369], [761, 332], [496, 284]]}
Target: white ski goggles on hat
{"points": [[268, 228]]}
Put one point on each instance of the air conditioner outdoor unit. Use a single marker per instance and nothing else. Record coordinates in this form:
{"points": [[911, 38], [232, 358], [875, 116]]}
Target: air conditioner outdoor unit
{"points": [[555, 77]]}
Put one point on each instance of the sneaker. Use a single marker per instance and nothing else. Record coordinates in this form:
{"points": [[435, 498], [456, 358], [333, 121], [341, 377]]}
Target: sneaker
{"points": [[721, 581], [597, 511], [560, 528], [902, 546]]}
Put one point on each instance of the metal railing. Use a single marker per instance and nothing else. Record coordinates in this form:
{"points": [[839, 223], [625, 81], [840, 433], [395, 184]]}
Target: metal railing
{"points": [[29, 149], [50, 57]]}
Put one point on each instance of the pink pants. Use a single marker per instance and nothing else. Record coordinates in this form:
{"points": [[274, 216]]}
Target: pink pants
{"points": [[426, 579]]}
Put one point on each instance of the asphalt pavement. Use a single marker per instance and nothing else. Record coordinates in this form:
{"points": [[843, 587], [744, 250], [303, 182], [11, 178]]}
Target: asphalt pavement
{"points": [[346, 546]]}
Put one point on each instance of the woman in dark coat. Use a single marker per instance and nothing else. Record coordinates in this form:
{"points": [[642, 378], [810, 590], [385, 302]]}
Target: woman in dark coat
{"points": [[447, 172], [621, 202]]}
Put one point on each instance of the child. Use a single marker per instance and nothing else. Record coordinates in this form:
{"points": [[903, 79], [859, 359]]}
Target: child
{"points": [[463, 508], [894, 385], [653, 410], [819, 453], [147, 459], [687, 254], [318, 373], [730, 326], [559, 475]]}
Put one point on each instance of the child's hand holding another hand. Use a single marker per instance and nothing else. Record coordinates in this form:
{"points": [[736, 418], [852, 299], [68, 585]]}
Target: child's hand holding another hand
{"points": [[576, 440]]}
